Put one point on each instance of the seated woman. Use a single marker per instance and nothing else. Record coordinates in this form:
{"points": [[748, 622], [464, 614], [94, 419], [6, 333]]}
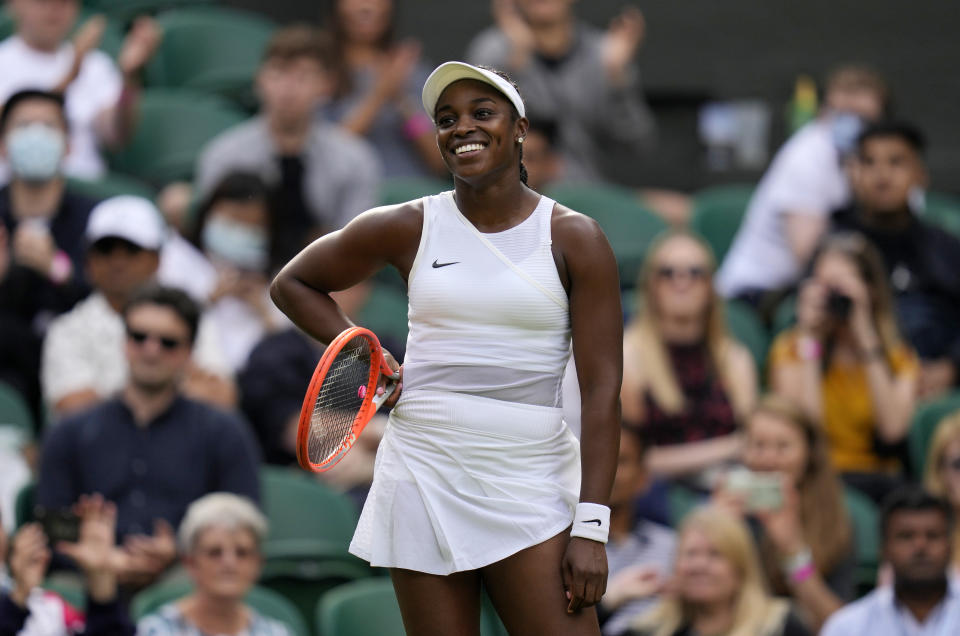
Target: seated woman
{"points": [[378, 88], [220, 540], [846, 365], [718, 585], [941, 474], [686, 381], [805, 541]]}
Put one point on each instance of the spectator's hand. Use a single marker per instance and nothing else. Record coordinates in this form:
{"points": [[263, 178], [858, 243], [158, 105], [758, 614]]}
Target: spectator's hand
{"points": [[146, 557], [812, 308], [394, 73], [936, 378], [782, 525], [139, 45], [513, 25], [89, 35], [205, 386], [861, 316], [96, 553], [632, 583], [29, 557], [728, 500], [620, 44], [584, 571], [33, 247]]}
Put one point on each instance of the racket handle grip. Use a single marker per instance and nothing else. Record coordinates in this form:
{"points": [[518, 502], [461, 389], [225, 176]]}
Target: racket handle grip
{"points": [[388, 390]]}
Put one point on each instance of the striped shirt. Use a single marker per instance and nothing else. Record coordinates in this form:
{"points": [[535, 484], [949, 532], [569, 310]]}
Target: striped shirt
{"points": [[170, 621]]}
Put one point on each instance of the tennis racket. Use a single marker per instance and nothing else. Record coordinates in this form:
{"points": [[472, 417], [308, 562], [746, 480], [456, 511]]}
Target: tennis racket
{"points": [[342, 398]]}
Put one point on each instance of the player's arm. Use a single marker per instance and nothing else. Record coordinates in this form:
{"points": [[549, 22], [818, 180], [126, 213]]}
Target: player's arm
{"points": [[597, 329], [379, 237]]}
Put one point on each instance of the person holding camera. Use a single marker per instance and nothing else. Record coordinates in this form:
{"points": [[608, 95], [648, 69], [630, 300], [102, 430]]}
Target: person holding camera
{"points": [[846, 365]]}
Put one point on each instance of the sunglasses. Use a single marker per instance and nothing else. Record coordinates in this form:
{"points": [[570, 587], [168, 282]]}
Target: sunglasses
{"points": [[668, 272], [110, 244], [166, 342]]}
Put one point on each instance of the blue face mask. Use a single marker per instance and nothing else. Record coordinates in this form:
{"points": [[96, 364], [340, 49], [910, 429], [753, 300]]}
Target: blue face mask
{"points": [[239, 244], [35, 151], [845, 127]]}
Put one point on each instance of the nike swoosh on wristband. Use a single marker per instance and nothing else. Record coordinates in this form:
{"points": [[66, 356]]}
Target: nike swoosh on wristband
{"points": [[596, 521], [436, 264]]}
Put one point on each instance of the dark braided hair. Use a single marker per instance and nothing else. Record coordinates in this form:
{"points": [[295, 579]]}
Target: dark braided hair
{"points": [[516, 115]]}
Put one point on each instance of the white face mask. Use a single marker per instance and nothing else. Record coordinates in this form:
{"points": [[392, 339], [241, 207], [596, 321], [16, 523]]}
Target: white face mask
{"points": [[845, 127], [35, 151], [239, 244]]}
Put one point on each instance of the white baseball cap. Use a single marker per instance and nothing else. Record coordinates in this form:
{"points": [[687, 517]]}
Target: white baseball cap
{"points": [[131, 218], [450, 72]]}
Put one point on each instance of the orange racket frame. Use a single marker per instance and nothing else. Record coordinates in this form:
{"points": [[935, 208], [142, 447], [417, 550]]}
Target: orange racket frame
{"points": [[371, 401]]}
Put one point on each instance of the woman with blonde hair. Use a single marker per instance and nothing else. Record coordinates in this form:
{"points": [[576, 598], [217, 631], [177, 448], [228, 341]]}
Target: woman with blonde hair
{"points": [[846, 365], [718, 586], [686, 381], [805, 536], [941, 474]]}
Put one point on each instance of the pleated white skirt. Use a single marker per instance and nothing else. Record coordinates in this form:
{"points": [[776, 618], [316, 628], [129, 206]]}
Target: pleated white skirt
{"points": [[461, 482]]}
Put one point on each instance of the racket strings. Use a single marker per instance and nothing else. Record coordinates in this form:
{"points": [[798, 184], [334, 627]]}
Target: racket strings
{"points": [[339, 399]]}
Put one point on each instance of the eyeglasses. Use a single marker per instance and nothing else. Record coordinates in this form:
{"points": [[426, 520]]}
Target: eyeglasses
{"points": [[218, 552], [110, 244], [667, 272], [166, 342]]}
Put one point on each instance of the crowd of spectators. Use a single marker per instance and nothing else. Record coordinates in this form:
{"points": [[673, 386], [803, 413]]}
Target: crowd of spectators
{"points": [[161, 377]]}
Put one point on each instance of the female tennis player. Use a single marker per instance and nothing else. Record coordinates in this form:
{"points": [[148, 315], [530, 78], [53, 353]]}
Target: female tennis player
{"points": [[477, 477]]}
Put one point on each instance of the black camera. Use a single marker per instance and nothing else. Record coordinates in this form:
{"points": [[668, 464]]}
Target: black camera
{"points": [[839, 305]]}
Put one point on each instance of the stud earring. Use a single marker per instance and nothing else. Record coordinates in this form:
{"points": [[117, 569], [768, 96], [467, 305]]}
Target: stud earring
{"points": [[520, 140]]}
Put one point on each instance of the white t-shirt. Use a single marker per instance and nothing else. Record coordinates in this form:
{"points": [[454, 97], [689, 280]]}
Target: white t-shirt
{"points": [[805, 177], [97, 87]]}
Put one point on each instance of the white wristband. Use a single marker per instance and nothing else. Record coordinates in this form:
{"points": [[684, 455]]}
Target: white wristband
{"points": [[591, 521]]}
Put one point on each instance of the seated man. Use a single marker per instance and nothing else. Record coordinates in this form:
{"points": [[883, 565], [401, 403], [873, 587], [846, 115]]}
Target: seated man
{"points": [[916, 530], [101, 99], [323, 175], [805, 181], [83, 359], [922, 260], [151, 450]]}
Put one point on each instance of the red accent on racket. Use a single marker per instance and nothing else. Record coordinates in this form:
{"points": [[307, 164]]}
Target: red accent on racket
{"points": [[342, 398]]}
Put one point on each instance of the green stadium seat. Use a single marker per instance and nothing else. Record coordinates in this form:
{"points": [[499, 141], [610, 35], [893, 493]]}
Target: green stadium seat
{"points": [[401, 189], [15, 414], [943, 210], [212, 50], [125, 10], [301, 508], [681, 501], [111, 185], [174, 127], [266, 602], [748, 329], [385, 313], [360, 608], [925, 420], [23, 506], [865, 517], [717, 213], [629, 226]]}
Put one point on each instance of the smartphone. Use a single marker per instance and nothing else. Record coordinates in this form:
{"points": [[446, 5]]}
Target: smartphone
{"points": [[758, 491], [58, 525]]}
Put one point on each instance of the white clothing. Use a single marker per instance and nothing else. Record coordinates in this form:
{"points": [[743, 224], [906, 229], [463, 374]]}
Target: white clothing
{"points": [[879, 614], [49, 615], [476, 462], [170, 621], [185, 267], [96, 88], [240, 328], [84, 349], [14, 474], [805, 177]]}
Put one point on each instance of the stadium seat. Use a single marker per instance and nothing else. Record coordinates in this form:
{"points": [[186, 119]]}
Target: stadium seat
{"points": [[174, 127], [360, 608], [943, 210], [266, 602], [629, 226], [15, 414], [124, 10], [211, 50], [717, 213], [23, 506], [299, 507], [925, 420], [111, 185], [866, 536], [747, 328], [385, 313], [401, 189]]}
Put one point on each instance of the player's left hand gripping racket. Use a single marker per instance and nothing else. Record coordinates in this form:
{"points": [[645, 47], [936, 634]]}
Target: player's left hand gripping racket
{"points": [[342, 398]]}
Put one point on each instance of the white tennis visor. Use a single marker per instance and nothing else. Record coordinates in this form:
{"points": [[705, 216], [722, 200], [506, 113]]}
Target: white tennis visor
{"points": [[450, 72]]}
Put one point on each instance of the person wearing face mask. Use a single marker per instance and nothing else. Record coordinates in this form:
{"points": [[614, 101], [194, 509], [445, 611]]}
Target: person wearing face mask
{"points": [[921, 260], [805, 181], [41, 229]]}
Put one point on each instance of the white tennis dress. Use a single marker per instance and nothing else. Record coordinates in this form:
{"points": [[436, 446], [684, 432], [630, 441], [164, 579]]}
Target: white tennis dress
{"points": [[476, 462]]}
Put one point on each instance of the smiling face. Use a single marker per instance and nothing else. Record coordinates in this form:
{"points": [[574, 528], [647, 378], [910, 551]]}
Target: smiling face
{"points": [[477, 131], [775, 444], [681, 279], [704, 574], [225, 562]]}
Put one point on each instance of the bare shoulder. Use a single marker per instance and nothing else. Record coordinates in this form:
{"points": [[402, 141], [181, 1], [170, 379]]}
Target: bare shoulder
{"points": [[403, 218], [567, 224]]}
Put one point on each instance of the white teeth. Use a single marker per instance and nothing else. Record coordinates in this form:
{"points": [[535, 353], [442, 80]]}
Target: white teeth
{"points": [[468, 147]]}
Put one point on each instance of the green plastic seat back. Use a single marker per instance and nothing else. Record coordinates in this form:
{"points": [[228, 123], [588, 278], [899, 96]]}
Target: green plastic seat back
{"points": [[717, 214], [361, 608], [212, 50], [865, 517], [173, 128], [300, 507], [15, 415], [925, 420], [748, 329], [111, 185], [628, 225], [943, 210], [23, 505], [402, 189], [385, 313]]}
